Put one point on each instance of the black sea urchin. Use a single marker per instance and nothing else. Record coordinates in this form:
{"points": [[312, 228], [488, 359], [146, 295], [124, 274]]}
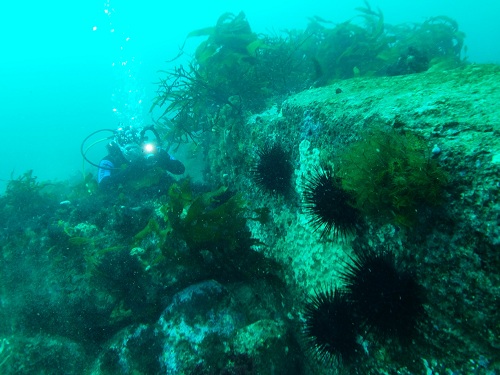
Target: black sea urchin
{"points": [[387, 297], [329, 205], [273, 171], [330, 330]]}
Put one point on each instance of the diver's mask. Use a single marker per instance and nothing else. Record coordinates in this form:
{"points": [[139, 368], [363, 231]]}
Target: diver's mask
{"points": [[131, 142], [134, 144], [128, 139], [132, 152]]}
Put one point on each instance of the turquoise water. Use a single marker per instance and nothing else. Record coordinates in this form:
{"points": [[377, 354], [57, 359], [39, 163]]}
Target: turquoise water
{"points": [[59, 83], [364, 241]]}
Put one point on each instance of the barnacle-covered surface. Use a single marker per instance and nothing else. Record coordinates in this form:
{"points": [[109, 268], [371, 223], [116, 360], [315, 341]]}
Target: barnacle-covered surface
{"points": [[212, 277]]}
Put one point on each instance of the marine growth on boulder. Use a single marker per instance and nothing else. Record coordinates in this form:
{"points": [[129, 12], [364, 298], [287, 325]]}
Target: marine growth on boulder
{"points": [[338, 214]]}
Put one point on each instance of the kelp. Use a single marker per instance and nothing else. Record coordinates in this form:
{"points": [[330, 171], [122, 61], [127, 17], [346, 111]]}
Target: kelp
{"points": [[350, 48], [209, 220], [238, 69], [232, 35], [372, 47], [222, 73], [214, 227], [153, 227], [190, 105]]}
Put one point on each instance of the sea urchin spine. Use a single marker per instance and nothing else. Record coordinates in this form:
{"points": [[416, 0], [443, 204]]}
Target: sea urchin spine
{"points": [[273, 171], [330, 330], [329, 205], [387, 297]]}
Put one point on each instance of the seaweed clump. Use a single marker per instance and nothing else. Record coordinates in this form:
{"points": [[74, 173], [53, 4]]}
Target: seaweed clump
{"points": [[26, 201], [214, 227], [223, 73], [235, 70], [372, 47], [349, 49], [392, 176]]}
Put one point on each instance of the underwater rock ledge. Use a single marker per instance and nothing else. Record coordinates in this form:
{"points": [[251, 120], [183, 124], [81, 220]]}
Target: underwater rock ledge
{"points": [[454, 247]]}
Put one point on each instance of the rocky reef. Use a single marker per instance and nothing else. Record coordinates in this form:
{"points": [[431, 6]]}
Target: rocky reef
{"points": [[374, 189], [451, 243], [200, 281]]}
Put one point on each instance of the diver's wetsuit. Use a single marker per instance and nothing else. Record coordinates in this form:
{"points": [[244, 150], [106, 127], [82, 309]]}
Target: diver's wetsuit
{"points": [[107, 176]]}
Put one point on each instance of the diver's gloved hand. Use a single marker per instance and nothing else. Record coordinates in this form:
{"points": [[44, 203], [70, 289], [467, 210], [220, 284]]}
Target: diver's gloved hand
{"points": [[168, 162]]}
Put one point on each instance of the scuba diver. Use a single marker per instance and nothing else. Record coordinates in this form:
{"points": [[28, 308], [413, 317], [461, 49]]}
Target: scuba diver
{"points": [[131, 155]]}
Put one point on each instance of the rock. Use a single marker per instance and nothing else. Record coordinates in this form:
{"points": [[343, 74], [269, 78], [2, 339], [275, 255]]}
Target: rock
{"points": [[203, 331]]}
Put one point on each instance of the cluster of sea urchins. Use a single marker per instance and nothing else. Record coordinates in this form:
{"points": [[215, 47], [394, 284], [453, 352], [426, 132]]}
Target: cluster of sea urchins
{"points": [[381, 298]]}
